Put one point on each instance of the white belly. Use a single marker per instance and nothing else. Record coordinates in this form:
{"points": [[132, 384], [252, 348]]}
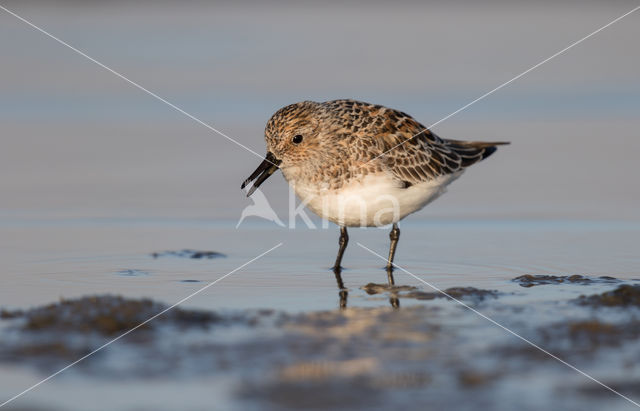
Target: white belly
{"points": [[377, 200]]}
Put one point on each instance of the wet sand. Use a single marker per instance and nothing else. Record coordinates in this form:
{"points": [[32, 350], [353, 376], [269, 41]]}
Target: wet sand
{"points": [[436, 354]]}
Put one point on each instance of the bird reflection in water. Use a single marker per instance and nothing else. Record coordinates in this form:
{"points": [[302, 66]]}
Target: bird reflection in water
{"points": [[343, 292]]}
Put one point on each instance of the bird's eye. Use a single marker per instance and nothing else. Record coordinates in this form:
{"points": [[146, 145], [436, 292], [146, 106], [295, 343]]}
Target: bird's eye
{"points": [[297, 139]]}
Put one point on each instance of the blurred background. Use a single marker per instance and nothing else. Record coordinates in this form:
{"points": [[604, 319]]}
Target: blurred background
{"points": [[96, 174], [78, 141]]}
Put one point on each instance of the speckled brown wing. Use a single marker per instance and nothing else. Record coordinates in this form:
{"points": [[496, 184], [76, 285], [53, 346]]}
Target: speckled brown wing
{"points": [[411, 152], [415, 155]]}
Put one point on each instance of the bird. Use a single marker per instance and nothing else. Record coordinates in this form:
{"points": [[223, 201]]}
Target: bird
{"points": [[359, 164]]}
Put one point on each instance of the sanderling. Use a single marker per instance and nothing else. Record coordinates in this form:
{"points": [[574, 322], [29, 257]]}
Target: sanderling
{"points": [[360, 165]]}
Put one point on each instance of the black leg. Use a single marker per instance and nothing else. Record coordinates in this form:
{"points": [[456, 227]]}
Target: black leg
{"points": [[343, 241], [337, 268], [390, 277], [394, 235]]}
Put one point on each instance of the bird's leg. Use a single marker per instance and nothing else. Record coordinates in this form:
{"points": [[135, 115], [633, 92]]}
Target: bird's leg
{"points": [[343, 241], [390, 277], [343, 293], [394, 235]]}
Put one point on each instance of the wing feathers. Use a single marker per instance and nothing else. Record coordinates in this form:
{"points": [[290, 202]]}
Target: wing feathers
{"points": [[426, 156], [412, 153]]}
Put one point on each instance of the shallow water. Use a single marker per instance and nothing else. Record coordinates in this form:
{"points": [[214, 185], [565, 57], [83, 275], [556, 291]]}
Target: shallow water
{"points": [[96, 176]]}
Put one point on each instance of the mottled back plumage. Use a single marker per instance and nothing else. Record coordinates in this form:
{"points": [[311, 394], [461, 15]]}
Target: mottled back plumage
{"points": [[373, 137]]}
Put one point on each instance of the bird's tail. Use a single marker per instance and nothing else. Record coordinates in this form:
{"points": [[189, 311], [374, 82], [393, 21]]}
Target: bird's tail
{"points": [[473, 151]]}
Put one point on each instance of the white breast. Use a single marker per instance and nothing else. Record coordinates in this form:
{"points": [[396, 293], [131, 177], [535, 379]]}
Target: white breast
{"points": [[376, 200]]}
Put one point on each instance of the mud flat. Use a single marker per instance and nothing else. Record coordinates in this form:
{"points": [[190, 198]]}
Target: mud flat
{"points": [[434, 353], [529, 280], [187, 253]]}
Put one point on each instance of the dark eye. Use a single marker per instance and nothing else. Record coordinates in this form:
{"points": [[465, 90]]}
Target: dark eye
{"points": [[297, 139]]}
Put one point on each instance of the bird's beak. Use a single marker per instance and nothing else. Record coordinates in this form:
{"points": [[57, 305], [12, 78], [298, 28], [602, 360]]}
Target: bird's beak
{"points": [[264, 170]]}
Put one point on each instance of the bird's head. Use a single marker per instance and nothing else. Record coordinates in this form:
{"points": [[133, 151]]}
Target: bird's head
{"points": [[293, 138], [292, 133]]}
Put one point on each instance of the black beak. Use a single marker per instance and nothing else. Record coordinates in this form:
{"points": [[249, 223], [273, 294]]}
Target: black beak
{"points": [[264, 170]]}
